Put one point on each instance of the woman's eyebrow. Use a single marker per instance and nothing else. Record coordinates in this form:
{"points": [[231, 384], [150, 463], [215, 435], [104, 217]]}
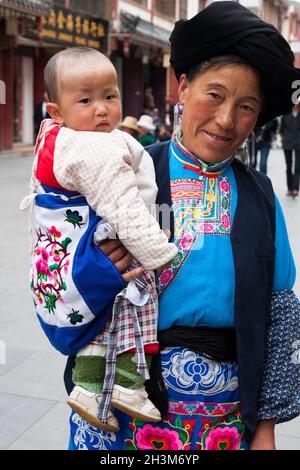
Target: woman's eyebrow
{"points": [[223, 87]]}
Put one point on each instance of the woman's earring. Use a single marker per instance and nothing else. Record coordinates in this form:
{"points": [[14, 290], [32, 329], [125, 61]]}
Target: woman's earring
{"points": [[178, 110]]}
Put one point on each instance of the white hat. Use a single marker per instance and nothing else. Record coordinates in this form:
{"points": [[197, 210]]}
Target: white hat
{"points": [[146, 122], [130, 122]]}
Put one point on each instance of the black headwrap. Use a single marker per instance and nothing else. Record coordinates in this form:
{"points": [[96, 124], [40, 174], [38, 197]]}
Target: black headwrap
{"points": [[228, 28]]}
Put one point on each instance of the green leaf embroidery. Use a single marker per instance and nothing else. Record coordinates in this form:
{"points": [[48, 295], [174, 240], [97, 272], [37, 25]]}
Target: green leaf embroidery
{"points": [[66, 242], [53, 267]]}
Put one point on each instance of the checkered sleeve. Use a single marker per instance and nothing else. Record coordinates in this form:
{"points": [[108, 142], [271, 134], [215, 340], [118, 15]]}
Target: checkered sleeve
{"points": [[99, 166]]}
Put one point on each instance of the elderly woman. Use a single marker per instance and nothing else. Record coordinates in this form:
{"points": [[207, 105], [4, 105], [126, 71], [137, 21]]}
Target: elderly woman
{"points": [[228, 319]]}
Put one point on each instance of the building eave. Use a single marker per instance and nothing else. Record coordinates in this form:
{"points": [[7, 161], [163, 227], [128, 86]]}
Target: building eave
{"points": [[26, 7]]}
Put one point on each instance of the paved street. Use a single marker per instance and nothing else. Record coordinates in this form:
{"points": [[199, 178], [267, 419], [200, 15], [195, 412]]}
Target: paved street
{"points": [[33, 413]]}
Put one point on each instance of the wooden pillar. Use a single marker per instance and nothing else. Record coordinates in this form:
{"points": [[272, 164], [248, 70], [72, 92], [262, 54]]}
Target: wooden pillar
{"points": [[8, 73], [2, 105], [39, 65], [6, 110]]}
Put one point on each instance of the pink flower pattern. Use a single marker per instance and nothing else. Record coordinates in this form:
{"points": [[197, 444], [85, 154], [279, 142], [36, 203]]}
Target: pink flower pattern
{"points": [[151, 437], [223, 438]]}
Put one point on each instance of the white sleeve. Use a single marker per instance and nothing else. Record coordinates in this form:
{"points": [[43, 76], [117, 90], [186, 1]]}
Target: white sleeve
{"points": [[99, 166], [143, 167]]}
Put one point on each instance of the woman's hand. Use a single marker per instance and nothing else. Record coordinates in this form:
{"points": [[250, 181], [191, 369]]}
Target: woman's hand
{"points": [[264, 438], [122, 259]]}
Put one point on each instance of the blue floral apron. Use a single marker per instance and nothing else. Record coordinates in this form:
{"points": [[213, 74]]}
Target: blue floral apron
{"points": [[204, 411]]}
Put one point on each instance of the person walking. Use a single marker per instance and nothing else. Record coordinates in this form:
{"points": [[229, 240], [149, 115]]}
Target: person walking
{"points": [[290, 133], [264, 139]]}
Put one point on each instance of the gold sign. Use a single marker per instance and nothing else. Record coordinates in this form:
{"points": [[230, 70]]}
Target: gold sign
{"points": [[74, 29]]}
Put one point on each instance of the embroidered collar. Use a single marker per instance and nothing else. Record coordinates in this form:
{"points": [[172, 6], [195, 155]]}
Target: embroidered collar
{"points": [[191, 162]]}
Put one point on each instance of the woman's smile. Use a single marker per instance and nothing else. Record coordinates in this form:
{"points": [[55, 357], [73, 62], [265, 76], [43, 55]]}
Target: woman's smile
{"points": [[217, 139]]}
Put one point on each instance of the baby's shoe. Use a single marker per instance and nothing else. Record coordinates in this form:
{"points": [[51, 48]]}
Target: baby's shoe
{"points": [[135, 403], [86, 404]]}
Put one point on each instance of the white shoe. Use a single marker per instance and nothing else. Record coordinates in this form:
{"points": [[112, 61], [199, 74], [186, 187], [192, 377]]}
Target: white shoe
{"points": [[86, 404], [135, 403]]}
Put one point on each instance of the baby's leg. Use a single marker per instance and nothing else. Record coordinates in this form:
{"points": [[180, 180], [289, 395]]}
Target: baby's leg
{"points": [[126, 373], [89, 372], [129, 393], [88, 377]]}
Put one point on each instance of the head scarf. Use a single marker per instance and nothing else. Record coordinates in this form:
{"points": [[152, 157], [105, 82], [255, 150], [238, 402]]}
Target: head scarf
{"points": [[228, 28]]}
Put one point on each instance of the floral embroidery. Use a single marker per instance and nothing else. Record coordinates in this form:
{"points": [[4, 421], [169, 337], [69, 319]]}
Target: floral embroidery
{"points": [[223, 439], [74, 218], [200, 208], [225, 434], [196, 421], [166, 277], [184, 247], [54, 232], [193, 408], [189, 372], [163, 436], [186, 241], [86, 436], [201, 203], [48, 269]]}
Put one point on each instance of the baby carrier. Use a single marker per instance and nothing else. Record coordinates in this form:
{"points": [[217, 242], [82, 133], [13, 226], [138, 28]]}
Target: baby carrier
{"points": [[66, 265]]}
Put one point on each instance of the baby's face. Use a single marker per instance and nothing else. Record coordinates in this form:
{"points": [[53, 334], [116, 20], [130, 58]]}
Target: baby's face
{"points": [[89, 98]]}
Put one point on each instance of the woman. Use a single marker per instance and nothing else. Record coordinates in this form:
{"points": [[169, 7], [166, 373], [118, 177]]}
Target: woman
{"points": [[228, 316]]}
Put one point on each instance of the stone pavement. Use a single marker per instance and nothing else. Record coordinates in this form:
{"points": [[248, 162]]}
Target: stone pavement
{"points": [[33, 413]]}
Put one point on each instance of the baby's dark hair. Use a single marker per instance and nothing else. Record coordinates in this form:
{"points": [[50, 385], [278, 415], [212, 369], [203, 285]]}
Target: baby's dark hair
{"points": [[71, 55]]}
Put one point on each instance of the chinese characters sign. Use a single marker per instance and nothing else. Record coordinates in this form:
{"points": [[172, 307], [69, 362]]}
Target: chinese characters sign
{"points": [[74, 29]]}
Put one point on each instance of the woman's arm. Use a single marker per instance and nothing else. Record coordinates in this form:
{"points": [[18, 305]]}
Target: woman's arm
{"points": [[122, 259], [279, 393], [264, 438]]}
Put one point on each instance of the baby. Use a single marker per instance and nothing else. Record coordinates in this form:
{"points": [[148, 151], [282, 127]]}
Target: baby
{"points": [[91, 180]]}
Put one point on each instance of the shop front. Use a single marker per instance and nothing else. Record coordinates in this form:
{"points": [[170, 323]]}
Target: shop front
{"points": [[137, 51], [30, 41]]}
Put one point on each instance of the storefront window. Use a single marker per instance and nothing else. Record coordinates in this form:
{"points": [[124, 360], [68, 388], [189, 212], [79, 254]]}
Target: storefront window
{"points": [[165, 8]]}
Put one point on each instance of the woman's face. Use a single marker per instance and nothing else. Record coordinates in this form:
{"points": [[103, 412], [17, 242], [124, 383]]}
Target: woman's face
{"points": [[221, 107]]}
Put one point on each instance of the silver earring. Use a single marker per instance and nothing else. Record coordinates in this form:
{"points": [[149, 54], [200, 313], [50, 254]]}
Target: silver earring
{"points": [[178, 110]]}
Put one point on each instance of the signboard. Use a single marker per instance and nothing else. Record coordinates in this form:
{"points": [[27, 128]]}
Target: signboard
{"points": [[72, 28]]}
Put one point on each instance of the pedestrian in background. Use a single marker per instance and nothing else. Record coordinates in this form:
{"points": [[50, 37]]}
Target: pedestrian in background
{"points": [[146, 130], [129, 125], [264, 140], [290, 133], [40, 113]]}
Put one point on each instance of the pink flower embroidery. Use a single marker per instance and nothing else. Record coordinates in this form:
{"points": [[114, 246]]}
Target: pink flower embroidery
{"points": [[225, 221], [54, 232], [151, 437], [42, 262], [166, 277], [186, 241], [224, 185], [223, 439], [208, 228]]}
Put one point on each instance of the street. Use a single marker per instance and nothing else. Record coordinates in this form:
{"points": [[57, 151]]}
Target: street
{"points": [[33, 413]]}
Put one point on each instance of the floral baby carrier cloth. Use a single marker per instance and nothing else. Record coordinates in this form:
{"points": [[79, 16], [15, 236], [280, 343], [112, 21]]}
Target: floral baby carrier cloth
{"points": [[66, 265]]}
